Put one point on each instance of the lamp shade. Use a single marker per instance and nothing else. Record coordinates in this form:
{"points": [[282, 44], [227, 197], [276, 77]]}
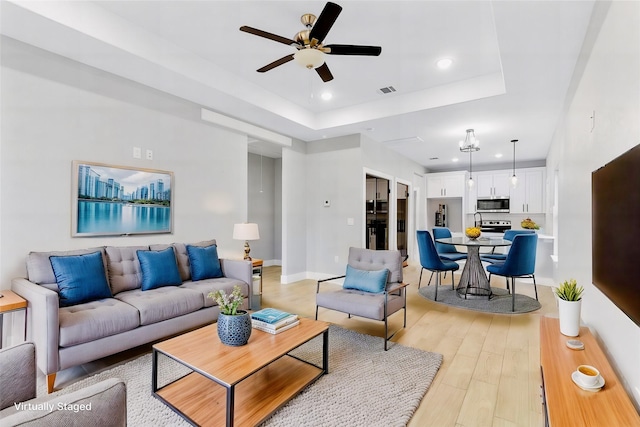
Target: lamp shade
{"points": [[246, 231], [309, 58]]}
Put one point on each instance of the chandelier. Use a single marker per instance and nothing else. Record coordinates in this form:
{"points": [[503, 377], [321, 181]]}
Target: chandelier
{"points": [[470, 142], [469, 145]]}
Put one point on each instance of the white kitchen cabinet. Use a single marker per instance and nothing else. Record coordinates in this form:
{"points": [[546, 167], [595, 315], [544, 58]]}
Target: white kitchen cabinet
{"points": [[441, 185], [528, 195], [493, 184], [472, 199], [377, 189]]}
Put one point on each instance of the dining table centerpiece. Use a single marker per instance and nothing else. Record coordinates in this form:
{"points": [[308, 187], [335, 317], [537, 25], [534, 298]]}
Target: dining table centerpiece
{"points": [[472, 232], [569, 303], [234, 325]]}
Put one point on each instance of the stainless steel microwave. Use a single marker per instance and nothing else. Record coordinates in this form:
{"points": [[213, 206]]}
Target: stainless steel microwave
{"points": [[499, 204]]}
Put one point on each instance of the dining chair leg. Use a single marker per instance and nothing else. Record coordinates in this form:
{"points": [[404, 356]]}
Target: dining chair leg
{"points": [[435, 298], [513, 294], [535, 288], [420, 279], [507, 279], [453, 286], [430, 277]]}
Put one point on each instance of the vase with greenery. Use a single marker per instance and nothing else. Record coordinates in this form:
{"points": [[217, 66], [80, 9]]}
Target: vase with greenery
{"points": [[234, 325], [569, 303]]}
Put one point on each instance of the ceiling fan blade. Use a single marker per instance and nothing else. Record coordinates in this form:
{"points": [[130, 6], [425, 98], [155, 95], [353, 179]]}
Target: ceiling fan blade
{"points": [[274, 64], [324, 73], [325, 21], [349, 49], [267, 35]]}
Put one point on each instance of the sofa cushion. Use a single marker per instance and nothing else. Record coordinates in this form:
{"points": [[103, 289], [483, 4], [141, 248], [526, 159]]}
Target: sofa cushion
{"points": [[211, 285], [39, 268], [159, 269], [366, 280], [204, 262], [164, 303], [97, 319], [183, 257], [123, 267], [80, 278]]}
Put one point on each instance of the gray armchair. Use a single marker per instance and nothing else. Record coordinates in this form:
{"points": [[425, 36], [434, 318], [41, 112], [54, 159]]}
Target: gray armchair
{"points": [[100, 404], [371, 305]]}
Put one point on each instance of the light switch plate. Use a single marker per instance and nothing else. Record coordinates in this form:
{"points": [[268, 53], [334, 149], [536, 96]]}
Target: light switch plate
{"points": [[137, 153]]}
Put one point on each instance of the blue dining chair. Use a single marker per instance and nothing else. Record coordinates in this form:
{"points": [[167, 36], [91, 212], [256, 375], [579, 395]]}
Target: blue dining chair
{"points": [[446, 252], [520, 262], [508, 235], [430, 260]]}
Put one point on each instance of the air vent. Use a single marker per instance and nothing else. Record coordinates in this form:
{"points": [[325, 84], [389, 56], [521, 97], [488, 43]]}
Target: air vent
{"points": [[403, 141], [386, 90]]}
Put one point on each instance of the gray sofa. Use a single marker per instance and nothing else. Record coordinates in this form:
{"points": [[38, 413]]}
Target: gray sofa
{"points": [[101, 404], [66, 336]]}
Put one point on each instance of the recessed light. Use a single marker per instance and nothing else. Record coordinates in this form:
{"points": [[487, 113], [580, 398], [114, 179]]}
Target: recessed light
{"points": [[498, 155], [455, 159], [326, 96], [444, 63]]}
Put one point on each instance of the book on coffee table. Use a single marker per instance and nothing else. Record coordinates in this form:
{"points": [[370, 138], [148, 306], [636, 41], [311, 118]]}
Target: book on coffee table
{"points": [[276, 331], [270, 315], [274, 326]]}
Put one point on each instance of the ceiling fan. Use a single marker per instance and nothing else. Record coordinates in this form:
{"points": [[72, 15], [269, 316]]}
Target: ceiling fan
{"points": [[310, 50]]}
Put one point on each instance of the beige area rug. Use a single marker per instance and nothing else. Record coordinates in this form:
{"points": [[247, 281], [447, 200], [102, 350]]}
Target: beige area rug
{"points": [[366, 386]]}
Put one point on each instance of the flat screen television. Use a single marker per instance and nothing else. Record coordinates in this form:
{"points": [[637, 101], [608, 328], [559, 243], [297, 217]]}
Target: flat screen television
{"points": [[615, 189]]}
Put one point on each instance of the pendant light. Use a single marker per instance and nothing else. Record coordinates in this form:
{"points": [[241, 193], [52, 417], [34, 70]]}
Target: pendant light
{"points": [[469, 145], [470, 182], [514, 178]]}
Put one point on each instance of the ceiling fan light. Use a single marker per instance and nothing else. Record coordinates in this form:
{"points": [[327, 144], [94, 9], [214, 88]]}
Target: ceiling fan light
{"points": [[309, 58]]}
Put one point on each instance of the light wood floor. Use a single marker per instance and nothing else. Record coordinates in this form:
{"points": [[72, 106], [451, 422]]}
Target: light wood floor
{"points": [[490, 375]]}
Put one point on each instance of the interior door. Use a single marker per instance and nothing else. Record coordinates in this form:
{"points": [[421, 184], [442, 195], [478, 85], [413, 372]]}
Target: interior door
{"points": [[377, 212], [402, 216]]}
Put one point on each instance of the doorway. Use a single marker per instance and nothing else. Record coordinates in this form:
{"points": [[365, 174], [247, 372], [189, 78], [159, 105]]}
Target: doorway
{"points": [[377, 212], [402, 219]]}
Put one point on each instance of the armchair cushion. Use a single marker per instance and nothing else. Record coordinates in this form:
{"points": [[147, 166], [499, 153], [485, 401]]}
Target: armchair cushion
{"points": [[374, 281], [204, 262], [159, 268], [80, 278]]}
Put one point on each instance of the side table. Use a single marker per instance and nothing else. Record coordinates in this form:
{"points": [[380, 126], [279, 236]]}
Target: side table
{"points": [[10, 302], [256, 299]]}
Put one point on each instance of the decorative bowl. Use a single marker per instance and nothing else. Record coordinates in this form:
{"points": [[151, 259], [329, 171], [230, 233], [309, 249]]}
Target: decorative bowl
{"points": [[472, 232]]}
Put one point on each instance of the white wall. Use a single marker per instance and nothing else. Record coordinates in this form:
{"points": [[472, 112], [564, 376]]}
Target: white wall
{"points": [[610, 86], [55, 110], [261, 206], [294, 213], [334, 173]]}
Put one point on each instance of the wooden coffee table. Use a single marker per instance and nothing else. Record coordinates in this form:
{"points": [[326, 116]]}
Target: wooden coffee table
{"points": [[238, 385]]}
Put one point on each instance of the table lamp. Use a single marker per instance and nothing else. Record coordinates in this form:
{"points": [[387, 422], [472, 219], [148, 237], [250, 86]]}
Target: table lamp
{"points": [[246, 232]]}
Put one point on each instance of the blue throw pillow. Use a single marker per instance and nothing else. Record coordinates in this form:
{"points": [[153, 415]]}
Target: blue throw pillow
{"points": [[374, 281], [159, 268], [204, 262], [80, 278]]}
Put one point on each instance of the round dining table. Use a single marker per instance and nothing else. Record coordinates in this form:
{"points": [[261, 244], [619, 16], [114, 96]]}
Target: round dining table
{"points": [[473, 282]]}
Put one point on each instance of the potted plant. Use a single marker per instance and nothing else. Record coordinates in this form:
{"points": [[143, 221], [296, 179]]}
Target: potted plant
{"points": [[234, 326], [569, 302]]}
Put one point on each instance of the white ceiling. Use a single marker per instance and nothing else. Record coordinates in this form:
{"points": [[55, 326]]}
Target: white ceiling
{"points": [[513, 64]]}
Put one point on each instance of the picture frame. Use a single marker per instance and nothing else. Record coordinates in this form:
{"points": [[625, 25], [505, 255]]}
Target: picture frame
{"points": [[110, 200]]}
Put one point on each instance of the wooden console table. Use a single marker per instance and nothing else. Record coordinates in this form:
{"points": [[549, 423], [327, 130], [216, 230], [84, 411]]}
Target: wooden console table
{"points": [[564, 402]]}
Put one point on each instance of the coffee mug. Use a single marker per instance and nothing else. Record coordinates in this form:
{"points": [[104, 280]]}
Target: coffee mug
{"points": [[588, 375]]}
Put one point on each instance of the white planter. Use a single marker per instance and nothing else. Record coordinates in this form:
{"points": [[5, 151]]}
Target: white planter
{"points": [[569, 313]]}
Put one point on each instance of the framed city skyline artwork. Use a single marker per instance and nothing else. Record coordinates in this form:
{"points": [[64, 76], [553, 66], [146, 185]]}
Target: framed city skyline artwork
{"points": [[120, 200]]}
